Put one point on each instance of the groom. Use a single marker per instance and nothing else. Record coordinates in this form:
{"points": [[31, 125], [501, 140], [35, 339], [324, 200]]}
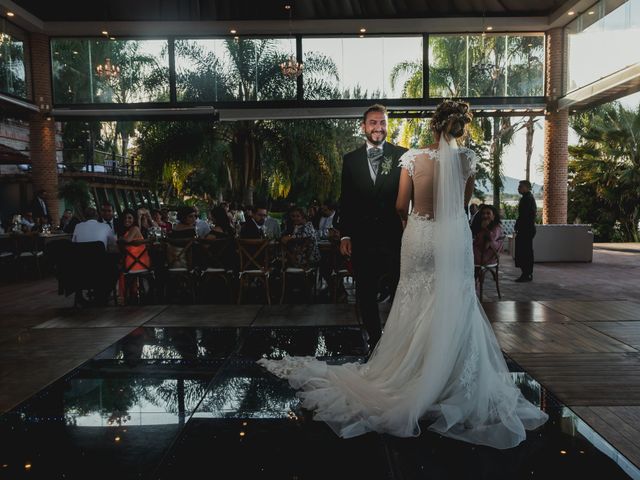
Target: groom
{"points": [[370, 225]]}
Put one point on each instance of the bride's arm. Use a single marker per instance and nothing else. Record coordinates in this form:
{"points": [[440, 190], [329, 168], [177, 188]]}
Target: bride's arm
{"points": [[468, 190], [405, 190]]}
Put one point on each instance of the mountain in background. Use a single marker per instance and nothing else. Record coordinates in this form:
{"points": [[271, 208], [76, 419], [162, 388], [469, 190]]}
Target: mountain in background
{"points": [[510, 187]]}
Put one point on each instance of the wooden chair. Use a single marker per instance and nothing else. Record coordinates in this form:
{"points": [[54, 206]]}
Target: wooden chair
{"points": [[136, 267], [28, 248], [180, 271], [216, 258], [7, 252], [296, 262], [340, 269], [255, 263], [492, 266]]}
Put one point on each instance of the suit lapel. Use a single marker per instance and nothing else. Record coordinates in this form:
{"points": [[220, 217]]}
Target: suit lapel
{"points": [[362, 167]]}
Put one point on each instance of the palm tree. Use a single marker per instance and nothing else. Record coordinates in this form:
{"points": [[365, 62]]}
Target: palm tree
{"points": [[604, 182]]}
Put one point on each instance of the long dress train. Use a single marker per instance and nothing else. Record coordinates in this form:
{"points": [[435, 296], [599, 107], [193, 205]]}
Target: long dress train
{"points": [[438, 360]]}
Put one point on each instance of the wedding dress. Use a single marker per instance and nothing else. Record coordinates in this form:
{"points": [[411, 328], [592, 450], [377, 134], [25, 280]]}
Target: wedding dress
{"points": [[438, 360]]}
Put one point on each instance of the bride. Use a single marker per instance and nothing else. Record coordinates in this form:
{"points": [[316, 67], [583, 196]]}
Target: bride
{"points": [[438, 360]]}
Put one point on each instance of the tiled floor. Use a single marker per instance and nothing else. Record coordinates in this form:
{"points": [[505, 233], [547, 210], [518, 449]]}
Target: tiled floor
{"points": [[92, 395]]}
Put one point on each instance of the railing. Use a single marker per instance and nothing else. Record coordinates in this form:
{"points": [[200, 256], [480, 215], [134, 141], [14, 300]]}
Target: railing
{"points": [[97, 161]]}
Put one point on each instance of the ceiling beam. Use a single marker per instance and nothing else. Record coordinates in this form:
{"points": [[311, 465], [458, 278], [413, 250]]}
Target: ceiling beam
{"points": [[560, 17], [617, 85], [22, 17], [304, 27]]}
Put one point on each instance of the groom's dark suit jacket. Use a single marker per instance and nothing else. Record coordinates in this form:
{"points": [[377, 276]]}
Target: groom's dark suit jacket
{"points": [[368, 212]]}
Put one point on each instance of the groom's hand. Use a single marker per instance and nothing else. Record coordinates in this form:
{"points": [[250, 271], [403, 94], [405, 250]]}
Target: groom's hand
{"points": [[345, 247]]}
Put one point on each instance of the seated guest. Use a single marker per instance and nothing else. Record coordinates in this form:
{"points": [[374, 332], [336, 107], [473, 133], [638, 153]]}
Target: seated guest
{"points": [[328, 212], [313, 214], [145, 222], [487, 232], [237, 215], [130, 232], [161, 221], [67, 215], [299, 227], [247, 212], [106, 216], [222, 226], [92, 231], [186, 226], [272, 227], [254, 227], [27, 221], [202, 226]]}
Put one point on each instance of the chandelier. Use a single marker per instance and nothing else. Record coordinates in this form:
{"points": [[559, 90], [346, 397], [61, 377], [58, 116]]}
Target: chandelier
{"points": [[291, 68], [108, 70], [4, 38]]}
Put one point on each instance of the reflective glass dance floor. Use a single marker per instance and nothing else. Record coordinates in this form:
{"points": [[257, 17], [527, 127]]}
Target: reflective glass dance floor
{"points": [[186, 403]]}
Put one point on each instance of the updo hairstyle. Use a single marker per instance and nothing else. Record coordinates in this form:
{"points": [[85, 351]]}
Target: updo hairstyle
{"points": [[451, 118]]}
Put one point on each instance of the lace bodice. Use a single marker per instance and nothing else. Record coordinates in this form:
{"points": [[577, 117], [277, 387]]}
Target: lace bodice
{"points": [[421, 164]]}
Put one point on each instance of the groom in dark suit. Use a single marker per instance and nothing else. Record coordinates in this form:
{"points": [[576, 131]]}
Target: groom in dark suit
{"points": [[370, 226]]}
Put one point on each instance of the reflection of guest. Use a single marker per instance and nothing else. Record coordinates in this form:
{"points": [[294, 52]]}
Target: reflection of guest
{"points": [[487, 235], [525, 229]]}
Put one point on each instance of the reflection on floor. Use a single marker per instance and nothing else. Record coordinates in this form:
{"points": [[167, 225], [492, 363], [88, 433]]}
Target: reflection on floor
{"points": [[174, 402]]}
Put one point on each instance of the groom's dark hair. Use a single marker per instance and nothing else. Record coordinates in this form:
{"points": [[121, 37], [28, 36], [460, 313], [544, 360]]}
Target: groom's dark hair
{"points": [[374, 108]]}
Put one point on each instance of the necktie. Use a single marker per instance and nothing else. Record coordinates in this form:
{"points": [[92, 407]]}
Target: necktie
{"points": [[375, 156]]}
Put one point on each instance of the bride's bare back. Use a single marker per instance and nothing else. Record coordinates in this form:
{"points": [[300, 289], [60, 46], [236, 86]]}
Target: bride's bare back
{"points": [[418, 179]]}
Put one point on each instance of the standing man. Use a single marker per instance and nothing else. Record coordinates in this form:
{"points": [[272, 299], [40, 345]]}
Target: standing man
{"points": [[370, 226], [39, 205], [525, 229]]}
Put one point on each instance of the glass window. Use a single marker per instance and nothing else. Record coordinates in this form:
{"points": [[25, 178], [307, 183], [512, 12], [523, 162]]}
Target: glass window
{"points": [[486, 65], [13, 77], [368, 67], [602, 41], [235, 69], [109, 71]]}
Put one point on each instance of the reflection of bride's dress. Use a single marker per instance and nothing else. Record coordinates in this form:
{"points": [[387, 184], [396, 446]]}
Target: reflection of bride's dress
{"points": [[438, 359]]}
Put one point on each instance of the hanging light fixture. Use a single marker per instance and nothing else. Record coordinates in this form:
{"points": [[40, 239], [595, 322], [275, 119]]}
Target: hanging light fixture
{"points": [[107, 69], [291, 68]]}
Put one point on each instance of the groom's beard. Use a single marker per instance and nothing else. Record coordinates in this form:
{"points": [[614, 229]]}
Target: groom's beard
{"points": [[376, 138]]}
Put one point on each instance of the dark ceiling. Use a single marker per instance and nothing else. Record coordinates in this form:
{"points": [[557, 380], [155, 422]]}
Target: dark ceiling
{"points": [[232, 10]]}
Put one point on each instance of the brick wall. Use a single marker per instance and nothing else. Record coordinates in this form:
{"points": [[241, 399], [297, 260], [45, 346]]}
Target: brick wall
{"points": [[556, 132], [44, 171]]}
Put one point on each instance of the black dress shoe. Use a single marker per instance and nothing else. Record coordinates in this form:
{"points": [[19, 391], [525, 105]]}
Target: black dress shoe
{"points": [[524, 278]]}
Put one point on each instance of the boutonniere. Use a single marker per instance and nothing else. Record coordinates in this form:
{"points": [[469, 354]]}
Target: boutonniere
{"points": [[387, 163]]}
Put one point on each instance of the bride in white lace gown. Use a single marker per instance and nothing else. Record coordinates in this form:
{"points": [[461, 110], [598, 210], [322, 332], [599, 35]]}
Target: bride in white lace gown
{"points": [[438, 360]]}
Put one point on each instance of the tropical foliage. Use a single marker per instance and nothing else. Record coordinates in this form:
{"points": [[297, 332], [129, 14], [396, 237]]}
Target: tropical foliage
{"points": [[604, 172], [478, 66], [12, 71]]}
